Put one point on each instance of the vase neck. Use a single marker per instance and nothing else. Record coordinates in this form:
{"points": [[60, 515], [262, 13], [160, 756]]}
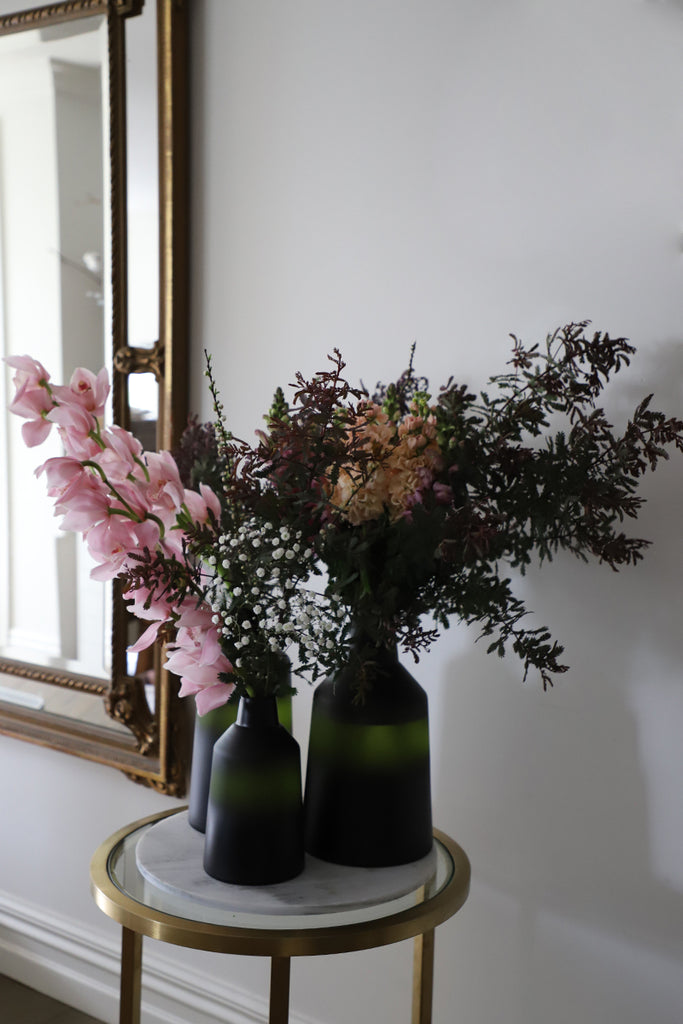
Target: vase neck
{"points": [[257, 711], [363, 641]]}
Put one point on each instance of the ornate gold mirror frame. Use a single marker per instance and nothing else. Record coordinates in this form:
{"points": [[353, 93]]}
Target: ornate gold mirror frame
{"points": [[144, 729]]}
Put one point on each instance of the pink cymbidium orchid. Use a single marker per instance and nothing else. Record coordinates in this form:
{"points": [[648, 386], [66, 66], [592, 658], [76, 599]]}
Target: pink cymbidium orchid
{"points": [[85, 390], [196, 656], [32, 399], [127, 504]]}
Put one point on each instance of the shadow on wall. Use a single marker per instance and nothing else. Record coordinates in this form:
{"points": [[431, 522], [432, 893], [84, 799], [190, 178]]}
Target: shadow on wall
{"points": [[569, 801]]}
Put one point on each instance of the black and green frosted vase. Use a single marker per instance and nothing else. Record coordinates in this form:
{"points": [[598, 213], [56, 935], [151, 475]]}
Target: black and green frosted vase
{"points": [[254, 821], [368, 791], [208, 729]]}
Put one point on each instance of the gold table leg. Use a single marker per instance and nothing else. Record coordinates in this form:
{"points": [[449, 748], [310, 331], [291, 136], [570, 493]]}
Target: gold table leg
{"points": [[279, 990], [131, 971], [423, 978]]}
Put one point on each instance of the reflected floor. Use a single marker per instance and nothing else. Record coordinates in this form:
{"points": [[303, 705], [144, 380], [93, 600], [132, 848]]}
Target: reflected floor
{"points": [[22, 1005]]}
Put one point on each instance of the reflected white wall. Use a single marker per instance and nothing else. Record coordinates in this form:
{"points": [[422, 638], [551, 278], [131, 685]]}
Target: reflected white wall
{"points": [[32, 320], [53, 198]]}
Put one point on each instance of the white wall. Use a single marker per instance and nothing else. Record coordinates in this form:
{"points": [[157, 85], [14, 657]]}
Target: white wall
{"points": [[366, 175]]}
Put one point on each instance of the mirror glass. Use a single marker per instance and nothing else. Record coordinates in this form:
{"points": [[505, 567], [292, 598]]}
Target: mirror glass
{"points": [[55, 303]]}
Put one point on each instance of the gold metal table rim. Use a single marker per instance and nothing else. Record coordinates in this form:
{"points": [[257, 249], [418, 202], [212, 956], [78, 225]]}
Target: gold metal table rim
{"points": [[347, 938]]}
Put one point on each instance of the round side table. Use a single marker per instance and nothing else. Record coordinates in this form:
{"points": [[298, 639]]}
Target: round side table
{"points": [[123, 892]]}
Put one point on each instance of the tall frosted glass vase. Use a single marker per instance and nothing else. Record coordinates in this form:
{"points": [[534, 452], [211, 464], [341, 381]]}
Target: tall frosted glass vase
{"points": [[207, 729], [368, 792], [254, 821]]}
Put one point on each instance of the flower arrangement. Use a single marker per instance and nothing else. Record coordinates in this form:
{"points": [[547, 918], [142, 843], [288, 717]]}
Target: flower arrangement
{"points": [[420, 504], [388, 514]]}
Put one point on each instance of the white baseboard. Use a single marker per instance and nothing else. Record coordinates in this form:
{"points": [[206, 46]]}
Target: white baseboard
{"points": [[80, 967]]}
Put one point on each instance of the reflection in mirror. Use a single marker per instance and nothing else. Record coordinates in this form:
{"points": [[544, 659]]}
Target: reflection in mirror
{"points": [[89, 246], [55, 302], [143, 403]]}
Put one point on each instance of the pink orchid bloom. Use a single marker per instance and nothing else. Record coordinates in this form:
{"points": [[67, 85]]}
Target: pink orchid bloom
{"points": [[207, 698], [172, 543], [196, 656], [115, 460], [130, 496], [61, 473], [184, 664], [84, 501], [85, 390], [164, 488], [75, 427], [110, 542], [30, 401], [29, 370], [142, 607], [200, 505], [146, 639], [123, 445], [35, 432]]}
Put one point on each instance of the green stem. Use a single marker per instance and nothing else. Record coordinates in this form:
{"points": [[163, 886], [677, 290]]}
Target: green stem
{"points": [[142, 466], [127, 511]]}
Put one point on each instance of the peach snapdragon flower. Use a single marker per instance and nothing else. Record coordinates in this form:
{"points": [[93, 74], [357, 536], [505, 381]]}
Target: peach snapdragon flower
{"points": [[404, 457]]}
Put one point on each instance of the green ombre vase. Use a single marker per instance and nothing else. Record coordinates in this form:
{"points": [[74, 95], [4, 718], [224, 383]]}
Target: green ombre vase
{"points": [[208, 728], [368, 792], [254, 820]]}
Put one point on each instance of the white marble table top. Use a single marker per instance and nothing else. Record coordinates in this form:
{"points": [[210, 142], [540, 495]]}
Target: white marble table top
{"points": [[169, 857]]}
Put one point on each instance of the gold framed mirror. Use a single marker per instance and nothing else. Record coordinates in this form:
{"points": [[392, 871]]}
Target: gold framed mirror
{"points": [[93, 271]]}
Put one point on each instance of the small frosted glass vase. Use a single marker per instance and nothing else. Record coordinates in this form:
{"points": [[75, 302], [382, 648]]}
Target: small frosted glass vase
{"points": [[254, 821]]}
